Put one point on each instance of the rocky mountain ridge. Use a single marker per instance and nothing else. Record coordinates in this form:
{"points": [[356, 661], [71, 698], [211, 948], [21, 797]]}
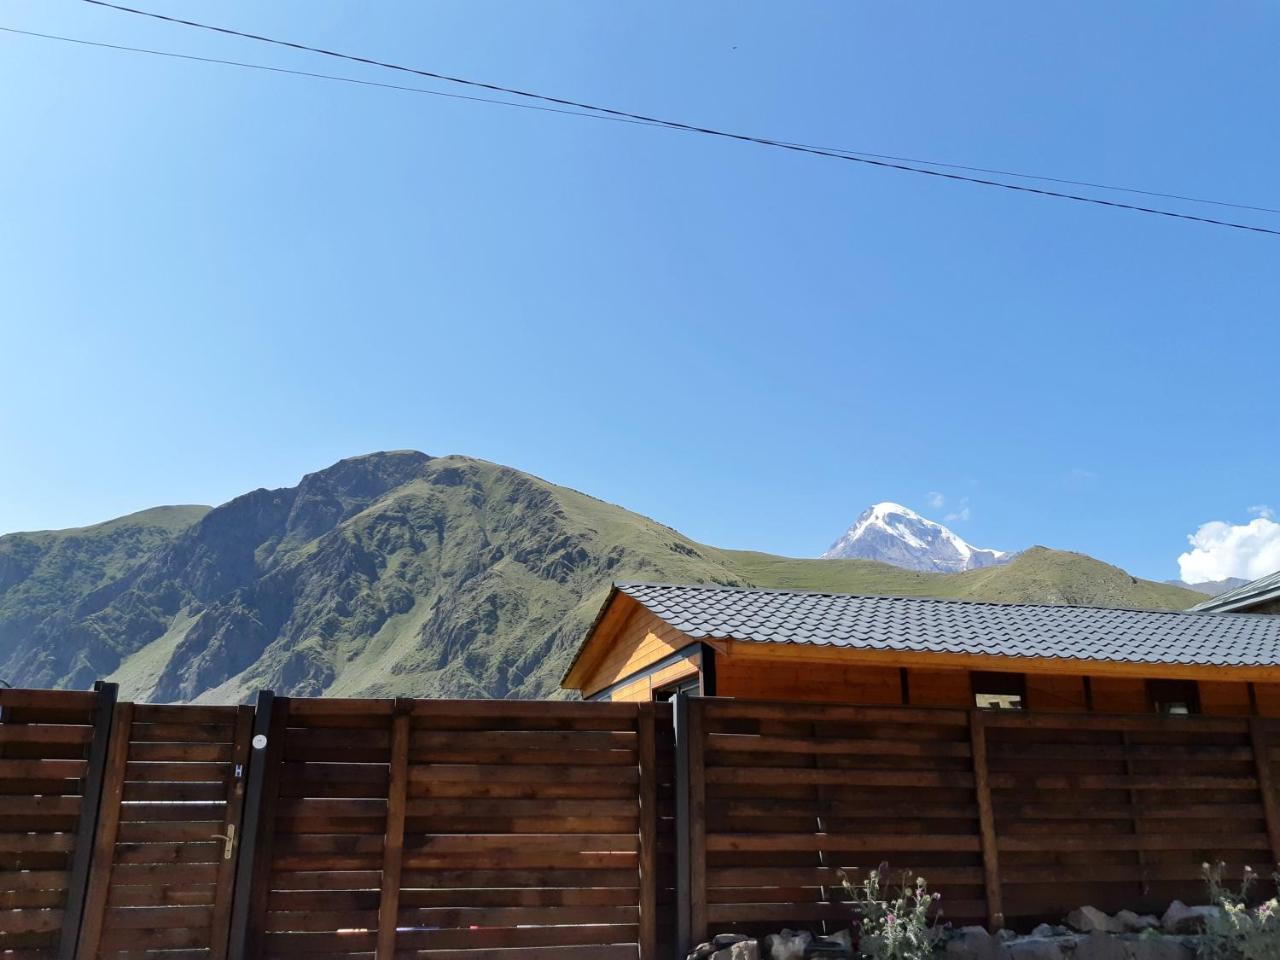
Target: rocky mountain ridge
{"points": [[401, 574]]}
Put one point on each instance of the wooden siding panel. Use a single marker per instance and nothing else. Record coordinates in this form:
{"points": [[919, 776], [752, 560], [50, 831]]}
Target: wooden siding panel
{"points": [[1051, 693], [940, 688], [1119, 695], [1267, 696], [1225, 699], [642, 641], [746, 677], [641, 691]]}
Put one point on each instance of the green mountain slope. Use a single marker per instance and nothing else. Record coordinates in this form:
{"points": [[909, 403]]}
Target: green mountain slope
{"points": [[1037, 575], [401, 574], [47, 578]]}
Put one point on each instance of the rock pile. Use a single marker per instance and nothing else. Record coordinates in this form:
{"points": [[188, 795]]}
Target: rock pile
{"points": [[787, 945], [1088, 934]]}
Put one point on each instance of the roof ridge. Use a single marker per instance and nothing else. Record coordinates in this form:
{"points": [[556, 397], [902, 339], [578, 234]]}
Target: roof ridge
{"points": [[1246, 591], [624, 584]]}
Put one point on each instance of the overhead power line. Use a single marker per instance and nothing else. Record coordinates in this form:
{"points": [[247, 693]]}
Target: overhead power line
{"points": [[574, 107], [315, 76], [309, 74]]}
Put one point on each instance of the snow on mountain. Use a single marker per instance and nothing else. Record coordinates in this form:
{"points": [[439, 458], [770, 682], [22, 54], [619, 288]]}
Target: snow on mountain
{"points": [[891, 533]]}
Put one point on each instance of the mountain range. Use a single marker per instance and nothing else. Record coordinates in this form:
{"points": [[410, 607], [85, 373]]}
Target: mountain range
{"points": [[404, 574]]}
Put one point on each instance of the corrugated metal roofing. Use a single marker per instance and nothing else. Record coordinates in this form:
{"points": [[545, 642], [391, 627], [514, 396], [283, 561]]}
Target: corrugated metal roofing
{"points": [[963, 627], [1262, 590]]}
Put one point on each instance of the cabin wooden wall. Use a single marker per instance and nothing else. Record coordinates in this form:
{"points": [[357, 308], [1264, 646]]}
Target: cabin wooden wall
{"points": [[642, 640], [825, 682], [641, 690], [771, 679]]}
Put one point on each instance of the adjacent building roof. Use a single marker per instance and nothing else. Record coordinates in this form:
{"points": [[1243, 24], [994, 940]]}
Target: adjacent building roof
{"points": [[962, 627], [1262, 590]]}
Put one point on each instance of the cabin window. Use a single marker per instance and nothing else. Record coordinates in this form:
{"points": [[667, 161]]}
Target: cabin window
{"points": [[1173, 698], [999, 691], [691, 685]]}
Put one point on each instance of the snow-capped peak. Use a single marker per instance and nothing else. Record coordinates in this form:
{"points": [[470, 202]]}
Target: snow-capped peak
{"points": [[892, 533]]}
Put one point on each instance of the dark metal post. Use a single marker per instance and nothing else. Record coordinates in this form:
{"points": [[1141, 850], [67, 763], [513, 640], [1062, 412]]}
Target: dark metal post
{"points": [[684, 834], [260, 755], [87, 829]]}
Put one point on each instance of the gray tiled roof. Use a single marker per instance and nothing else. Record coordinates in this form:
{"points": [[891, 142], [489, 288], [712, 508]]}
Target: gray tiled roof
{"points": [[1262, 590], [964, 627]]}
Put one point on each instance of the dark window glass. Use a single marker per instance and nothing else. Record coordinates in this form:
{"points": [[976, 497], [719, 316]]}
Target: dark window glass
{"points": [[999, 691], [690, 685], [1173, 698]]}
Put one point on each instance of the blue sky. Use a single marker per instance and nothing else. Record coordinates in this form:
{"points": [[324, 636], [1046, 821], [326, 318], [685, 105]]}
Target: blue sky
{"points": [[214, 279]]}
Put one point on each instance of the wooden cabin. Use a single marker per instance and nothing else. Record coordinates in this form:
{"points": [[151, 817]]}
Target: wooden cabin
{"points": [[650, 641]]}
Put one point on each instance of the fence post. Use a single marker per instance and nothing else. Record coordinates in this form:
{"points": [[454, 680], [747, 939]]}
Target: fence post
{"points": [[647, 758], [253, 863], [108, 828], [986, 820], [1266, 783], [393, 844], [684, 936], [87, 829]]}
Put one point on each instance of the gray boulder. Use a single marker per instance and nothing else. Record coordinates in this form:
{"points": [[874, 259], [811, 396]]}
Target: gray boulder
{"points": [[1180, 918], [1098, 946], [787, 945], [1089, 919], [975, 943], [1131, 922], [1036, 948], [745, 950], [1160, 948]]}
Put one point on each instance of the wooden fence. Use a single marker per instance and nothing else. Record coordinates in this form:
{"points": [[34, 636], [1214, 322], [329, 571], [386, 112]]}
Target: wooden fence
{"points": [[1015, 817], [460, 830]]}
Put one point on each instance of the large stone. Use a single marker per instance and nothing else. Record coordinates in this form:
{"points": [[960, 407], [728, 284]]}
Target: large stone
{"points": [[974, 943], [1180, 918], [701, 952], [1044, 930], [1160, 948], [1098, 946], [787, 945], [838, 946], [1089, 919], [745, 950], [844, 938], [1131, 922], [1036, 948]]}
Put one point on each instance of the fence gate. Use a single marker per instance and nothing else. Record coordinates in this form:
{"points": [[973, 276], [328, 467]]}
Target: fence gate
{"points": [[451, 830], [164, 851]]}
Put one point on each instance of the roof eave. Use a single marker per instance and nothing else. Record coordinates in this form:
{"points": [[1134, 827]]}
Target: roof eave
{"points": [[569, 681]]}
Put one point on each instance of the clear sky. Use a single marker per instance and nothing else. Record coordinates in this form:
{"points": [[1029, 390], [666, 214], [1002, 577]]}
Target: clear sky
{"points": [[214, 279]]}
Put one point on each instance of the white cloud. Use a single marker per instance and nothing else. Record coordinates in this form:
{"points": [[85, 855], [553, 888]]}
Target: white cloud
{"points": [[1262, 510], [935, 499], [961, 513], [1220, 550]]}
